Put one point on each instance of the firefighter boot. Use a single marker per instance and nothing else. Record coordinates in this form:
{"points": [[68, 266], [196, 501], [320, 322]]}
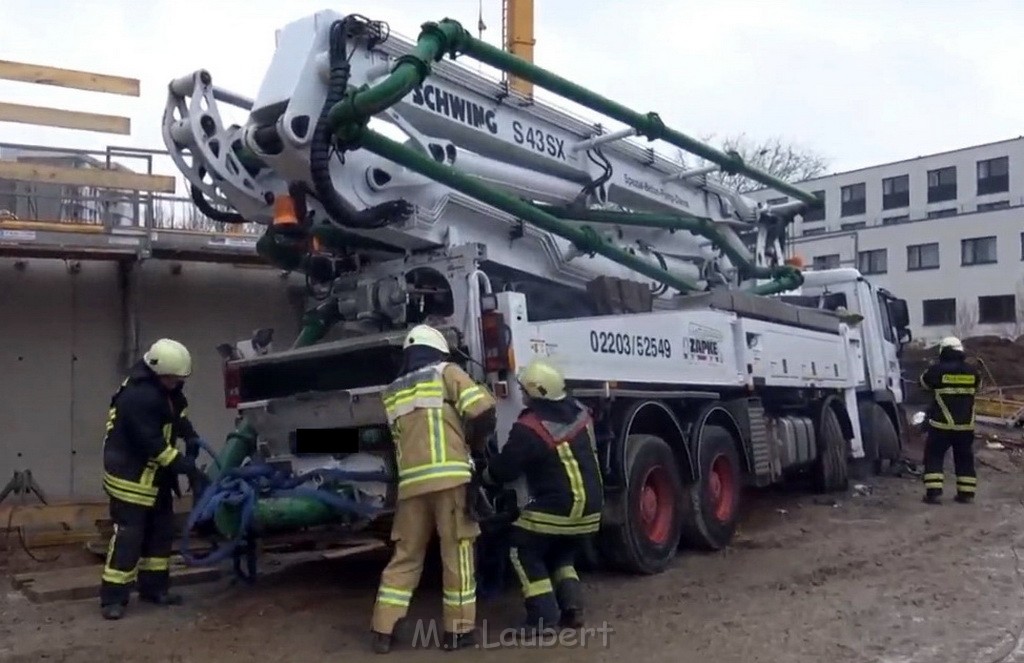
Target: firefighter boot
{"points": [[381, 642], [162, 598], [568, 591], [113, 611], [932, 496], [453, 641]]}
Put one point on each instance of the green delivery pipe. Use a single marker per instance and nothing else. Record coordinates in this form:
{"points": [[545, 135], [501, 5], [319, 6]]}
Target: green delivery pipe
{"points": [[449, 36], [784, 278], [417, 162]]}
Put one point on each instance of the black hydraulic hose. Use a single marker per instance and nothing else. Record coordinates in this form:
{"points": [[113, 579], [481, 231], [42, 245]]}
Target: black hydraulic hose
{"points": [[320, 148], [215, 214]]}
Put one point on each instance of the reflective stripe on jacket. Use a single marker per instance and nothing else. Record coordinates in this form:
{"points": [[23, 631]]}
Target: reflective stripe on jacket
{"points": [[555, 447], [953, 386], [143, 423], [426, 410]]}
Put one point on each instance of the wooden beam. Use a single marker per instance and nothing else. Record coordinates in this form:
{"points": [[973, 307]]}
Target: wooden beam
{"points": [[69, 78], [100, 178], [66, 119]]}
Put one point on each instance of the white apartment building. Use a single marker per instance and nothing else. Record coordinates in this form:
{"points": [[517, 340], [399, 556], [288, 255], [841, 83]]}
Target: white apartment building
{"points": [[944, 231]]}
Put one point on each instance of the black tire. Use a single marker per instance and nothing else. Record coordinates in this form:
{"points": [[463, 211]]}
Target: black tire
{"points": [[654, 489], [881, 440], [712, 503], [831, 471]]}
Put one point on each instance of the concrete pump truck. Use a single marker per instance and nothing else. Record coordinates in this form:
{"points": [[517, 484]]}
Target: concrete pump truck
{"points": [[711, 362]]}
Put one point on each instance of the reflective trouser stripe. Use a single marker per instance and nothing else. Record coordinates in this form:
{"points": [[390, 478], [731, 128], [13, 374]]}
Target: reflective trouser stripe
{"points": [[394, 596], [467, 577], [933, 480], [129, 491], [966, 484], [565, 573], [112, 575], [154, 564], [530, 589]]}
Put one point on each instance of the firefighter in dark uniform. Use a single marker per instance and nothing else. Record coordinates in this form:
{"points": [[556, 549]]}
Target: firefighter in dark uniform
{"points": [[141, 466], [953, 384], [553, 445]]}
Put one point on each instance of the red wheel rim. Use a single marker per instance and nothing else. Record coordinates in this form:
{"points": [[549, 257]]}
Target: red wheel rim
{"points": [[722, 488], [656, 505]]}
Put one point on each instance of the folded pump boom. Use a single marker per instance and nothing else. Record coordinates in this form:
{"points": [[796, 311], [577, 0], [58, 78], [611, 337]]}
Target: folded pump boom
{"points": [[549, 195]]}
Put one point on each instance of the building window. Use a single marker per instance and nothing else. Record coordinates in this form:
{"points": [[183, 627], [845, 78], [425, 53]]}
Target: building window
{"points": [[936, 312], [978, 251], [942, 184], [777, 201], [895, 192], [814, 231], [988, 207], [922, 256], [873, 262], [852, 199], [939, 213], [893, 220], [857, 225], [994, 176], [997, 309], [818, 213], [826, 262]]}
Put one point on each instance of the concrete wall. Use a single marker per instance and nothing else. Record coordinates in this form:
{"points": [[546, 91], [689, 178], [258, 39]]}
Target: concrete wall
{"points": [[61, 337]]}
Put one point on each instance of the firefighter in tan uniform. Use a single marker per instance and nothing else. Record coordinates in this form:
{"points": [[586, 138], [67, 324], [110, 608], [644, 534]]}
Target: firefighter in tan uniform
{"points": [[435, 411]]}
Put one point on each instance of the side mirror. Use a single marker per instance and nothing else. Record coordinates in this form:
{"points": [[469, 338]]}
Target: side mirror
{"points": [[899, 313]]}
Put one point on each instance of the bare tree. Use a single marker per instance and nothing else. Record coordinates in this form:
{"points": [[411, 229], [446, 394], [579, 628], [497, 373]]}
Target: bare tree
{"points": [[966, 320], [775, 156]]}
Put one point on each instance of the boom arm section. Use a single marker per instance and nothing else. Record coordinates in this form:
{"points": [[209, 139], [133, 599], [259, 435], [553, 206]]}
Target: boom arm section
{"points": [[547, 193]]}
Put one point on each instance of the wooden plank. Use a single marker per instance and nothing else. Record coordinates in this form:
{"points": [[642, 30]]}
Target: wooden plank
{"points": [[45, 116], [53, 226], [70, 515], [348, 551], [69, 78], [84, 582], [101, 178]]}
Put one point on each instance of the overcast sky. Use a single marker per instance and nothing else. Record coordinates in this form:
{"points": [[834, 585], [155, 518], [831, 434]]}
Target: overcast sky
{"points": [[862, 83]]}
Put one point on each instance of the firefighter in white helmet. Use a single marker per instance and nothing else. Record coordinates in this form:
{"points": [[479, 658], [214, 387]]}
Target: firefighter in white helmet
{"points": [[953, 384], [553, 445], [141, 463], [436, 412]]}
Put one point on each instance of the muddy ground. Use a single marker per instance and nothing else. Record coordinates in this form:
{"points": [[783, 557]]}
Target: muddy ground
{"points": [[873, 575]]}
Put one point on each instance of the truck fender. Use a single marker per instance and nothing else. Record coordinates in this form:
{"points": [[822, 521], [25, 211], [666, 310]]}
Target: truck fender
{"points": [[715, 414], [835, 401], [652, 417]]}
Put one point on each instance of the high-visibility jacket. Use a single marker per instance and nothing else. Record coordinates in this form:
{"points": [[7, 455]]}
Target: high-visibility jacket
{"points": [[427, 410], [553, 444], [953, 386], [139, 451]]}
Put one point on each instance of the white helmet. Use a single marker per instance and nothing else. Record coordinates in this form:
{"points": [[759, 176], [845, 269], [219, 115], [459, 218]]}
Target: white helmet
{"points": [[541, 379], [951, 343], [170, 358], [428, 336]]}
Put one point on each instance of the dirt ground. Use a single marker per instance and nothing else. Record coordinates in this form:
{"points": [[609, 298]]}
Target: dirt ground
{"points": [[873, 575]]}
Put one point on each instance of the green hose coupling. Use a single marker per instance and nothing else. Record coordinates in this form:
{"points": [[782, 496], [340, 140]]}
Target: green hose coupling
{"points": [[655, 129]]}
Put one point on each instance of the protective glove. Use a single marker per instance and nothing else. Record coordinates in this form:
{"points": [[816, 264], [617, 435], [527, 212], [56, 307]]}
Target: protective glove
{"points": [[198, 482]]}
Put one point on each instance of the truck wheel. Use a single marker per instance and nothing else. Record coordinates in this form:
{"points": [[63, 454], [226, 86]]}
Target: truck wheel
{"points": [[881, 441], [831, 472], [647, 539], [711, 505]]}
